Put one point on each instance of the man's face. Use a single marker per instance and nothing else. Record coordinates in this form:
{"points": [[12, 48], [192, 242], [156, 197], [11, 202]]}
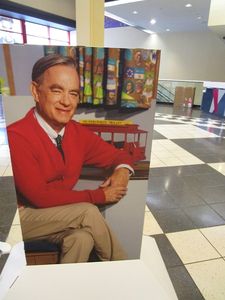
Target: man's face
{"points": [[57, 95]]}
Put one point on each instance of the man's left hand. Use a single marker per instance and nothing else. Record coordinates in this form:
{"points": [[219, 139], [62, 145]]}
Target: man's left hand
{"points": [[120, 177]]}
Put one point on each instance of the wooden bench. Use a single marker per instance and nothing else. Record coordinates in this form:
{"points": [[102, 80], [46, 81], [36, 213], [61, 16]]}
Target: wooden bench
{"points": [[41, 252]]}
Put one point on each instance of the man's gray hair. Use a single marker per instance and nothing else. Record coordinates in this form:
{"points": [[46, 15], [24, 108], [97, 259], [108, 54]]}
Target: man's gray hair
{"points": [[49, 61]]}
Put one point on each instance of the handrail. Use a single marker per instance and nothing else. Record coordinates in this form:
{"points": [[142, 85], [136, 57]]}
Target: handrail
{"points": [[164, 95], [164, 88]]}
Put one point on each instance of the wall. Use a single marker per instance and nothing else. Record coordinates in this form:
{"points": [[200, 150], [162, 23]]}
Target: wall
{"points": [[187, 55], [22, 83], [65, 8]]}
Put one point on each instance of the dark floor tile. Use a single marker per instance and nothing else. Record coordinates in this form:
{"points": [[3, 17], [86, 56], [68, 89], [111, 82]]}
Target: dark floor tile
{"points": [[210, 158], [8, 204], [167, 251], [182, 170], [218, 131], [213, 179], [195, 169], [4, 231], [164, 183], [160, 200], [158, 136], [172, 220], [186, 197], [204, 180], [7, 182], [7, 215], [184, 285], [167, 171], [3, 260], [220, 209], [191, 182], [214, 194], [7, 197], [156, 184], [203, 216], [206, 149]]}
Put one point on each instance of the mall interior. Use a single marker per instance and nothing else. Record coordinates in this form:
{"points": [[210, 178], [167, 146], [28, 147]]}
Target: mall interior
{"points": [[185, 197]]}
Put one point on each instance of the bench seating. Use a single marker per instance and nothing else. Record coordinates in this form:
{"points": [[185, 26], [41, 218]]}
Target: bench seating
{"points": [[41, 252]]}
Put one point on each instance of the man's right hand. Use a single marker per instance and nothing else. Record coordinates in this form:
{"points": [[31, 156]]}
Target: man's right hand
{"points": [[114, 193]]}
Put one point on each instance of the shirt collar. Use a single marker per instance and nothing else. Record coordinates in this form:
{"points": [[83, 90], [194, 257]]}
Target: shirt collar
{"points": [[48, 129]]}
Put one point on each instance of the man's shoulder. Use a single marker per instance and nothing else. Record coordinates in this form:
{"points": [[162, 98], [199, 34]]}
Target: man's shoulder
{"points": [[77, 126], [21, 124]]}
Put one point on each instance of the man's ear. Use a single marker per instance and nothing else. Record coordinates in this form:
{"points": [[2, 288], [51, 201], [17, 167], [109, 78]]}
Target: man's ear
{"points": [[34, 91]]}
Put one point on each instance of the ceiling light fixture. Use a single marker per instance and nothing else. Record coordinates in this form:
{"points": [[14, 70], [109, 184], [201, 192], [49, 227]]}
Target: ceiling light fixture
{"points": [[119, 2], [148, 31], [153, 21], [135, 12], [167, 29], [115, 17], [188, 5]]}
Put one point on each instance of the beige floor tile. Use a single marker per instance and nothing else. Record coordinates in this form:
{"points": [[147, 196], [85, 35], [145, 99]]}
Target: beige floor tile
{"points": [[8, 171], [174, 161], [4, 161], [155, 163], [150, 225], [216, 236], [158, 165], [15, 235], [182, 131], [220, 167], [146, 208], [192, 246], [16, 220], [191, 160], [209, 276], [2, 170]]}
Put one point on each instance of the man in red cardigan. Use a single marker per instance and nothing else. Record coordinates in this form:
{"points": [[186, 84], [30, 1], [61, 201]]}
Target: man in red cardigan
{"points": [[48, 150]]}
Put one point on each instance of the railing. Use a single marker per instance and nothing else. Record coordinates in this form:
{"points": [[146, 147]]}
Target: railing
{"points": [[164, 95]]}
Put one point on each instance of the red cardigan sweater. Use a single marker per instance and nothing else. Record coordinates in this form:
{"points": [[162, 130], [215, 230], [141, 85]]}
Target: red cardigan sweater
{"points": [[42, 177]]}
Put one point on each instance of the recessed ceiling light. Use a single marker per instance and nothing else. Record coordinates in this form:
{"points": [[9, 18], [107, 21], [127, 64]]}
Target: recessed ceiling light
{"points": [[199, 17], [148, 31], [167, 29], [135, 12], [153, 21], [188, 5]]}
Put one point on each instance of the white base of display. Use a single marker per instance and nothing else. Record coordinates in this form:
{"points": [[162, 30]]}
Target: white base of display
{"points": [[130, 279]]}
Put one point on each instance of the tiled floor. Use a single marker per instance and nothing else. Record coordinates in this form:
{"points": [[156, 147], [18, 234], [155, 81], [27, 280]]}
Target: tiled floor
{"points": [[10, 230], [185, 209]]}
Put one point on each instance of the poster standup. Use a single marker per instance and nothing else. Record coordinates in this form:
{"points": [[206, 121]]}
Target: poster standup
{"points": [[117, 102]]}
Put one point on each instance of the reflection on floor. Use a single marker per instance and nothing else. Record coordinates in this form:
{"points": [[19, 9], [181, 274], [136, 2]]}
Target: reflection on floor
{"points": [[185, 209]]}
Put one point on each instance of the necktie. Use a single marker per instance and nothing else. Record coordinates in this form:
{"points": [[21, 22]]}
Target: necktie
{"points": [[59, 145]]}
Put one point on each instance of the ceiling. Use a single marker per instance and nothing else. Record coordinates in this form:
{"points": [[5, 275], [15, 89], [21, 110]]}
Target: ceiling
{"points": [[170, 15]]}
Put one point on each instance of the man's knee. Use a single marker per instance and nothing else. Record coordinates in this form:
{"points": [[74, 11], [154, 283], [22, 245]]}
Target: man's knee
{"points": [[79, 237], [92, 210], [77, 246]]}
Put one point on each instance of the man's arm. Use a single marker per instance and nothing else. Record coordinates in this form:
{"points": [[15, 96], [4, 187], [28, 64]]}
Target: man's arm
{"points": [[102, 154], [119, 179], [30, 183]]}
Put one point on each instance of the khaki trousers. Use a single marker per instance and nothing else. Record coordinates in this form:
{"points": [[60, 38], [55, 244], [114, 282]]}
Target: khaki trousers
{"points": [[76, 227]]}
